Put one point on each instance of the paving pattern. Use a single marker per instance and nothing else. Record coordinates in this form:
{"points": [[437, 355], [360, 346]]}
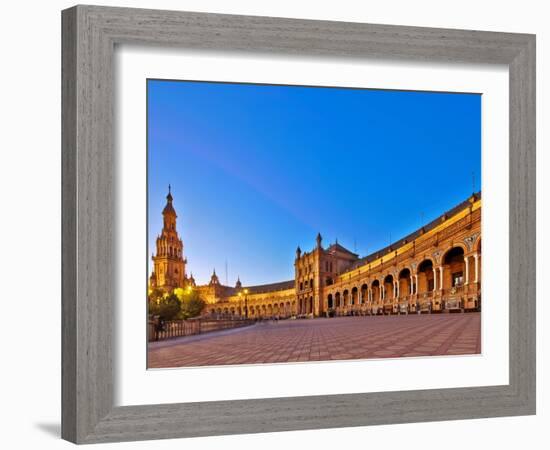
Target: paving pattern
{"points": [[325, 339]]}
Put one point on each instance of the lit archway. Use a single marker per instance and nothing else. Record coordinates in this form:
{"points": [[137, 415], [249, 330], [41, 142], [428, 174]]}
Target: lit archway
{"points": [[388, 287], [364, 293], [375, 289], [454, 268], [354, 300], [426, 281], [404, 283]]}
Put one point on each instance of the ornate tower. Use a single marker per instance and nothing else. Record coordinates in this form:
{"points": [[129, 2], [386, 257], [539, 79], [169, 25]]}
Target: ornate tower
{"points": [[169, 263]]}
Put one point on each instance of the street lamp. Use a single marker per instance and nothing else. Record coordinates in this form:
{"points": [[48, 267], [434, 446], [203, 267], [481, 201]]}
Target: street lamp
{"points": [[240, 299], [246, 303]]}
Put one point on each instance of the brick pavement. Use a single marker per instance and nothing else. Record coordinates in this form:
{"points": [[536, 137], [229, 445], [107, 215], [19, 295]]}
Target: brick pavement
{"points": [[325, 339]]}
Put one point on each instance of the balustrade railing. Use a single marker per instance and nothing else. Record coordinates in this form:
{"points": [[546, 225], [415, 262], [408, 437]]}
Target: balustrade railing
{"points": [[161, 330]]}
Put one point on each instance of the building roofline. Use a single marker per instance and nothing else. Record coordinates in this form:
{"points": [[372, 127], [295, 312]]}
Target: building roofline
{"points": [[290, 284], [415, 234]]}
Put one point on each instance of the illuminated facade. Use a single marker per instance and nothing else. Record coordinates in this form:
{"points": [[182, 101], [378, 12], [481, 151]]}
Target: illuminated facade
{"points": [[436, 268], [168, 262]]}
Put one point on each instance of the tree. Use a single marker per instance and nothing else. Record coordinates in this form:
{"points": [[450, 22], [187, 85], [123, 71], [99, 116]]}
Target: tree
{"points": [[155, 294], [166, 307], [191, 304]]}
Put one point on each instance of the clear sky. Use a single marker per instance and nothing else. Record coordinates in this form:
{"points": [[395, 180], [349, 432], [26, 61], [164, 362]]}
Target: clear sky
{"points": [[257, 170]]}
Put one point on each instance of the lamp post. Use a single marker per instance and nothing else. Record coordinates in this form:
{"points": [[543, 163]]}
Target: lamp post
{"points": [[245, 292], [246, 303]]}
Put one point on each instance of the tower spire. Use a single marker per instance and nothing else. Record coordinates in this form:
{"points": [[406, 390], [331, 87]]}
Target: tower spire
{"points": [[169, 262]]}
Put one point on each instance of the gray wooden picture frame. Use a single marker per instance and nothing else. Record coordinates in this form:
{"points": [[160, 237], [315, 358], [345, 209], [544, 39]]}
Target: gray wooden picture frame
{"points": [[90, 34]]}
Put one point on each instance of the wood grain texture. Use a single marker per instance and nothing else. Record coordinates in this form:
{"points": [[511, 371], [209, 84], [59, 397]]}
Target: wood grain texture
{"points": [[89, 203]]}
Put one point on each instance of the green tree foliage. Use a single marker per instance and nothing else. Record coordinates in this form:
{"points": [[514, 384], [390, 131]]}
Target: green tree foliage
{"points": [[191, 304], [166, 307], [155, 294]]}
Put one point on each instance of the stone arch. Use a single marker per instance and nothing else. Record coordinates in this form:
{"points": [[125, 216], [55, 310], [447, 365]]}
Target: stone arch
{"points": [[454, 267], [478, 248], [330, 301], [404, 282], [338, 299], [345, 297], [425, 258], [354, 298], [451, 246], [375, 289], [364, 293], [389, 286], [425, 273]]}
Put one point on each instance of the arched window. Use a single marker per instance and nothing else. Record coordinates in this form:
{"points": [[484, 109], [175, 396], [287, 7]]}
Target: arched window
{"points": [[454, 259]]}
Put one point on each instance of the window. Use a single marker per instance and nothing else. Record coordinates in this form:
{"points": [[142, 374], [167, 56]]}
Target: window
{"points": [[457, 279]]}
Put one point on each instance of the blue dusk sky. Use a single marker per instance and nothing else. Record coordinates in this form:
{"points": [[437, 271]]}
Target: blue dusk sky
{"points": [[257, 170]]}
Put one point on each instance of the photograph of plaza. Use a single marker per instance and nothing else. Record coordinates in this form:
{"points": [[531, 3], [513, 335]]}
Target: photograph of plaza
{"points": [[296, 223]]}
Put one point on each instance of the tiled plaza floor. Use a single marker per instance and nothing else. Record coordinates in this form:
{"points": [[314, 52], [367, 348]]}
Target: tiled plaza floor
{"points": [[325, 339]]}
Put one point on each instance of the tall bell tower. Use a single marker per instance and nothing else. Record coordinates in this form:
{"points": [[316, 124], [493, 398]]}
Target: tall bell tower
{"points": [[169, 263]]}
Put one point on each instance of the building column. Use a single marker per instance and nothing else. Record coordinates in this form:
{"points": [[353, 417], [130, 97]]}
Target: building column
{"points": [[412, 286], [467, 269], [435, 279], [441, 278], [415, 284], [397, 288], [476, 267]]}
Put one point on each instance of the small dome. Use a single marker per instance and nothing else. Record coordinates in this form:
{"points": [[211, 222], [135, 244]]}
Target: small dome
{"points": [[169, 209]]}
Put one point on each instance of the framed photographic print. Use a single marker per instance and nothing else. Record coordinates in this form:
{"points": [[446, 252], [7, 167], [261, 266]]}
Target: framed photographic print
{"points": [[278, 224]]}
